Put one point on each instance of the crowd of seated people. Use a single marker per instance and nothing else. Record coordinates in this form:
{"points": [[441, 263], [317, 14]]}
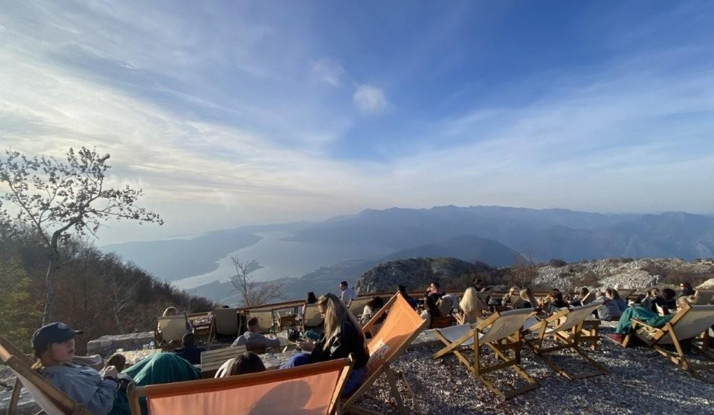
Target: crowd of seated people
{"points": [[647, 316]]}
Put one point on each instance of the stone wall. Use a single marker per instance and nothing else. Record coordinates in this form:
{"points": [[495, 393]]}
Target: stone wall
{"points": [[106, 345]]}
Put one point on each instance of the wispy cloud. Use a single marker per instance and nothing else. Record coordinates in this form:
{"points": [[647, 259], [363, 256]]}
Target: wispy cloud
{"points": [[371, 100], [328, 71]]}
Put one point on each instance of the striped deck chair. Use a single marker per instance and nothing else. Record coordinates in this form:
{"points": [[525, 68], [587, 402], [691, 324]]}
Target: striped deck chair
{"points": [[52, 400], [500, 332], [565, 327], [309, 389], [398, 330], [689, 323]]}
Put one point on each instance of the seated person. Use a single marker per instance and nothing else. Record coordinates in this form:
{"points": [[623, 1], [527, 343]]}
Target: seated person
{"points": [[687, 289], [188, 349], [472, 307], [341, 338], [609, 311], [253, 338], [614, 296], [513, 298], [554, 302], [445, 305], [578, 300], [248, 362], [430, 309], [668, 300], [649, 317], [98, 391], [649, 300], [311, 299], [371, 308], [435, 290]]}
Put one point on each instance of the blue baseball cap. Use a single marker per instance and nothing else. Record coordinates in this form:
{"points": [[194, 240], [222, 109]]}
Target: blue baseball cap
{"points": [[52, 333]]}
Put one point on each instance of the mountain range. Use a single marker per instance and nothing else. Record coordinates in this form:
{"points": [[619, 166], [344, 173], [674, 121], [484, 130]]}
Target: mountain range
{"points": [[491, 234]]}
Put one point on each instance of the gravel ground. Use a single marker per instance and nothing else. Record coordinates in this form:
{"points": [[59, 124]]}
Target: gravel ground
{"points": [[640, 382]]}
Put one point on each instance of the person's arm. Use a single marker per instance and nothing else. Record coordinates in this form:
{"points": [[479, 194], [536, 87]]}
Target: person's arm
{"points": [[268, 342]]}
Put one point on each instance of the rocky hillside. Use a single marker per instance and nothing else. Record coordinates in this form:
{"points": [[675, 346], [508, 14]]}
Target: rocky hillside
{"points": [[417, 273]]}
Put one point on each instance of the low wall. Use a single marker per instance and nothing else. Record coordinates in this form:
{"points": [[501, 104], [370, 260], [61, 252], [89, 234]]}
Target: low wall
{"points": [[106, 345]]}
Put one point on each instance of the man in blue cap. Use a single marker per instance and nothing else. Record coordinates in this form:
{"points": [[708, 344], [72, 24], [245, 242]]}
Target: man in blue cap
{"points": [[54, 346]]}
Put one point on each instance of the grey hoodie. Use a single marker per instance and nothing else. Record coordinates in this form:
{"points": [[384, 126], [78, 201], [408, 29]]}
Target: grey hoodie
{"points": [[84, 385]]}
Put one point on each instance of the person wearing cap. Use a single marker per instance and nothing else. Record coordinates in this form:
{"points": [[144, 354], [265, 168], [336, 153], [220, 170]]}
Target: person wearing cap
{"points": [[53, 345]]}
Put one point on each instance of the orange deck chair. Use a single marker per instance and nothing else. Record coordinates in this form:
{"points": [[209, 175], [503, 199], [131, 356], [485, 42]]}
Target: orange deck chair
{"points": [[52, 400], [309, 389], [398, 330]]}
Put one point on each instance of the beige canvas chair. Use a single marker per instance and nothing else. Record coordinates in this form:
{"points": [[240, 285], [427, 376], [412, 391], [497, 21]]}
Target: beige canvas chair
{"points": [[500, 332], [170, 329], [565, 327], [398, 330], [689, 323], [356, 305], [311, 317], [265, 319], [309, 389], [226, 321], [49, 398], [212, 360], [588, 298]]}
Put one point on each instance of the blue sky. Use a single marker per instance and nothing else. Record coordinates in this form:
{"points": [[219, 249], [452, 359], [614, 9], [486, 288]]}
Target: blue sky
{"points": [[238, 112]]}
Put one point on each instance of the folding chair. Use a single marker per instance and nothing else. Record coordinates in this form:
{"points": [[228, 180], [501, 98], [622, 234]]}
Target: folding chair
{"points": [[398, 330], [311, 317], [211, 360], [356, 305], [265, 319], [564, 327], [440, 322], [52, 400], [226, 321], [687, 324], [170, 328], [499, 332]]}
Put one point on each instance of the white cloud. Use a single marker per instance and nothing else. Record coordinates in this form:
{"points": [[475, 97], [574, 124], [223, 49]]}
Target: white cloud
{"points": [[371, 100], [328, 71]]}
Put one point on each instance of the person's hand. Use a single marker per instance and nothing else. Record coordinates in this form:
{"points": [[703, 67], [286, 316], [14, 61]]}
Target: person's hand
{"points": [[306, 346], [109, 372]]}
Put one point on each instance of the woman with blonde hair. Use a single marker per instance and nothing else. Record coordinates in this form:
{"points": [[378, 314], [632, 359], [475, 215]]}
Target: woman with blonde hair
{"points": [[529, 299], [472, 307], [341, 338]]}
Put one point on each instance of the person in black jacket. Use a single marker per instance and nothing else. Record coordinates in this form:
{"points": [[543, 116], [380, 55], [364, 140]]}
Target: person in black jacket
{"points": [[341, 338]]}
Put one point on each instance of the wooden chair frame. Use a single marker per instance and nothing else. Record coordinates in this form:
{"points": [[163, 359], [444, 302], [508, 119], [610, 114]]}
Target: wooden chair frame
{"points": [[392, 376], [569, 336], [22, 366], [499, 348], [678, 357], [234, 382]]}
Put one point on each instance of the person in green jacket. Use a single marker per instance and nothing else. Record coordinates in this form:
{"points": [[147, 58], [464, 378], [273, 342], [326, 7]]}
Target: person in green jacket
{"points": [[643, 314]]}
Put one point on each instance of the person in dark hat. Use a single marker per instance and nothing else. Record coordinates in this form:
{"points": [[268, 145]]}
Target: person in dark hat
{"points": [[53, 345]]}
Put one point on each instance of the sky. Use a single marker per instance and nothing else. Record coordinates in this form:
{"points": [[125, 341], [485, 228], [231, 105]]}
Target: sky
{"points": [[229, 113]]}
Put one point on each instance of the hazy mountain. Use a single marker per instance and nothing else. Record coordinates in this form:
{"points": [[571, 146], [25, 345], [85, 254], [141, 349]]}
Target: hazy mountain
{"points": [[174, 259]]}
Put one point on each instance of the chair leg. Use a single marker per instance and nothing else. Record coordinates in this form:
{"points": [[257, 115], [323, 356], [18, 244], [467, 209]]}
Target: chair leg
{"points": [[14, 398], [395, 391]]}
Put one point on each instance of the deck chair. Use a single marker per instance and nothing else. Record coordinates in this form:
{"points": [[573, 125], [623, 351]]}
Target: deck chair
{"points": [[565, 328], [440, 322], [52, 400], [401, 326], [588, 298], [212, 360], [170, 328], [687, 324], [265, 319], [311, 317], [356, 305], [226, 321], [500, 332], [309, 389]]}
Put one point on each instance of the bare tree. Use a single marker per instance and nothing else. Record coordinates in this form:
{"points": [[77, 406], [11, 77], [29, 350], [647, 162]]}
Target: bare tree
{"points": [[56, 198], [254, 293], [524, 270]]}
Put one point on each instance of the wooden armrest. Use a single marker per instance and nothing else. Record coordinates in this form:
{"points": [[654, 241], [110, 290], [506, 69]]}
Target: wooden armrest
{"points": [[636, 323]]}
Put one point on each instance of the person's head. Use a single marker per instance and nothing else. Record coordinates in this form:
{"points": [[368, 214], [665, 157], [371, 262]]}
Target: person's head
{"points": [[188, 340], [53, 344], [469, 301], [653, 292], [668, 294], [343, 285], [555, 290], [253, 324], [513, 292], [170, 311], [430, 306], [584, 292], [248, 362], [335, 313], [612, 294], [311, 299], [402, 289], [434, 286], [686, 288], [556, 295], [478, 283], [376, 303]]}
